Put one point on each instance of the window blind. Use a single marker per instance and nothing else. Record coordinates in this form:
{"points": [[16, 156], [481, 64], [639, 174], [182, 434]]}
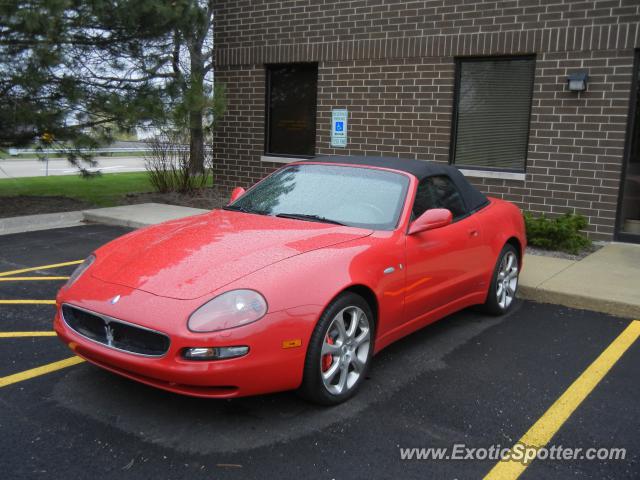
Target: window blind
{"points": [[492, 113]]}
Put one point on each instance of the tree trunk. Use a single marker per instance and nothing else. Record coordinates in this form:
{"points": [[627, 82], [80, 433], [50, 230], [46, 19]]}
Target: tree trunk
{"points": [[196, 130], [196, 142]]}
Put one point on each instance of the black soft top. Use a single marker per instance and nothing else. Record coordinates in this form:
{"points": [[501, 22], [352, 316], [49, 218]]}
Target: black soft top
{"points": [[473, 198]]}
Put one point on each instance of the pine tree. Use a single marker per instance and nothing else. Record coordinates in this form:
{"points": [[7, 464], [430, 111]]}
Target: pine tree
{"points": [[73, 70]]}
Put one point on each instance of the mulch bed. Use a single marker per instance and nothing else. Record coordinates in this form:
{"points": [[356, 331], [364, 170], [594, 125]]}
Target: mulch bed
{"points": [[23, 205], [208, 198], [568, 256]]}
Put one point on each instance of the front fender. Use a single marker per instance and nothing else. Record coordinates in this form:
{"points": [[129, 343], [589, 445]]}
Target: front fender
{"points": [[317, 277]]}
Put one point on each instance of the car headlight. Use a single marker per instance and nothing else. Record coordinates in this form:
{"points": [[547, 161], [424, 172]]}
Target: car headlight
{"points": [[80, 269], [229, 310]]}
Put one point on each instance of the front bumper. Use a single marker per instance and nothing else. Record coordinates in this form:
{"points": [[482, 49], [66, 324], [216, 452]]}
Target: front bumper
{"points": [[270, 366]]}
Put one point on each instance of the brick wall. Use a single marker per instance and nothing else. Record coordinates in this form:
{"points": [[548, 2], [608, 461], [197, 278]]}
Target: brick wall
{"points": [[392, 65], [400, 107], [257, 23], [239, 138]]}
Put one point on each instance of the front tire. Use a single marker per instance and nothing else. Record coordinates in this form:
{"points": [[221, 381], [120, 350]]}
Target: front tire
{"points": [[340, 351], [504, 282]]}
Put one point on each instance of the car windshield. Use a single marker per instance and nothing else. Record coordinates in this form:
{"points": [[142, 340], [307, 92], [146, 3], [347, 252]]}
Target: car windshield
{"points": [[353, 196]]}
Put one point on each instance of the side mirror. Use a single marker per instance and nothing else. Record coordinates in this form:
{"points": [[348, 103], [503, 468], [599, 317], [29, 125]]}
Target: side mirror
{"points": [[431, 219], [236, 194]]}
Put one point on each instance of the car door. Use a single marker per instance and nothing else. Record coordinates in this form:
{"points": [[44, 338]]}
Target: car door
{"points": [[443, 265]]}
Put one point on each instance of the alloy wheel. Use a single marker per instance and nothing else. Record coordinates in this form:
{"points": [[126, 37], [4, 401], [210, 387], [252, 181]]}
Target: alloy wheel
{"points": [[507, 280], [345, 350]]}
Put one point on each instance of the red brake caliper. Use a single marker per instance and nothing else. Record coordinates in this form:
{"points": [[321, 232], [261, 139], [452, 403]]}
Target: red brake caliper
{"points": [[327, 359]]}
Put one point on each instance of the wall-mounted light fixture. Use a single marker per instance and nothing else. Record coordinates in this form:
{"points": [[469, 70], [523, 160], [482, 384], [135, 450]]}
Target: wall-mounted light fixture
{"points": [[577, 81]]}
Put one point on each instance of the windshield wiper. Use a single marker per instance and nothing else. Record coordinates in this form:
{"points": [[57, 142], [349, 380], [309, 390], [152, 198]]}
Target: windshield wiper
{"points": [[238, 208], [309, 217]]}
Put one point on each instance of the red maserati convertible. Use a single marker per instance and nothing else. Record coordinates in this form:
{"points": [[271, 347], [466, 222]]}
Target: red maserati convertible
{"points": [[297, 283]]}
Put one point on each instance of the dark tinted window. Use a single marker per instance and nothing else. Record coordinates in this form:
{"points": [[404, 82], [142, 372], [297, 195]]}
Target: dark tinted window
{"points": [[291, 109], [358, 197], [493, 105], [438, 192]]}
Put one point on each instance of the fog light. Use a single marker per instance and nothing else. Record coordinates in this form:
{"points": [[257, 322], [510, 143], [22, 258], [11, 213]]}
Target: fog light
{"points": [[214, 353]]}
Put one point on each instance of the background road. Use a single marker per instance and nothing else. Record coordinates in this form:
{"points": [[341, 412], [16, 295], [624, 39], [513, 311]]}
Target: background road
{"points": [[60, 166], [468, 379]]}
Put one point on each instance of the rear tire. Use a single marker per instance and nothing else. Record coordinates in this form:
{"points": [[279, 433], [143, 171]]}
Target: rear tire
{"points": [[504, 282], [339, 352]]}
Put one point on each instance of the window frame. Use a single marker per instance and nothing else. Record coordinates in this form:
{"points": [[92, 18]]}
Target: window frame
{"points": [[267, 115], [456, 101], [455, 219], [403, 201]]}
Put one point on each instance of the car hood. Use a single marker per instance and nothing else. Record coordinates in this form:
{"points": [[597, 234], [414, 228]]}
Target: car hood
{"points": [[192, 257]]}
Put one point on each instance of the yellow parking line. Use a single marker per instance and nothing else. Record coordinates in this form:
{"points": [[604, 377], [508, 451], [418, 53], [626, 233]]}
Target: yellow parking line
{"points": [[42, 267], [546, 427], [36, 372], [27, 302], [26, 334], [31, 279]]}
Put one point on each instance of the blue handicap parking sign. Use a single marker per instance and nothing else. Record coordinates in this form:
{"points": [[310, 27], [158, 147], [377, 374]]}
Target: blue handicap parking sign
{"points": [[339, 124]]}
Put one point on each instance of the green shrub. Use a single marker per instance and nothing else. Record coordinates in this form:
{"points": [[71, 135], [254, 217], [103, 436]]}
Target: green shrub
{"points": [[561, 233]]}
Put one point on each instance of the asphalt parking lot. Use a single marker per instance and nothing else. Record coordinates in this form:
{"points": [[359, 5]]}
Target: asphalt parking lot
{"points": [[469, 379]]}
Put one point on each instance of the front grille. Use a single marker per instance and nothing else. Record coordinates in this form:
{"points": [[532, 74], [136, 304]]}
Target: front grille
{"points": [[115, 333]]}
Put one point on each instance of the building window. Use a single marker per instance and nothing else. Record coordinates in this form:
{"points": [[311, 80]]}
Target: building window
{"points": [[492, 111], [291, 110]]}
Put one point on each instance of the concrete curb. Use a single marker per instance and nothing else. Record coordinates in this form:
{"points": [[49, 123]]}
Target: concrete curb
{"points": [[139, 215], [605, 281], [91, 216], [581, 302], [33, 223]]}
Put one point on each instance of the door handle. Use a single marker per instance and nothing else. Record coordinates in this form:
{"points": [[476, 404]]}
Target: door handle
{"points": [[473, 233]]}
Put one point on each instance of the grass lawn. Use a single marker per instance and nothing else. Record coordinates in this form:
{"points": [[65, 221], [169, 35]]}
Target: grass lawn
{"points": [[103, 190], [31, 156]]}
